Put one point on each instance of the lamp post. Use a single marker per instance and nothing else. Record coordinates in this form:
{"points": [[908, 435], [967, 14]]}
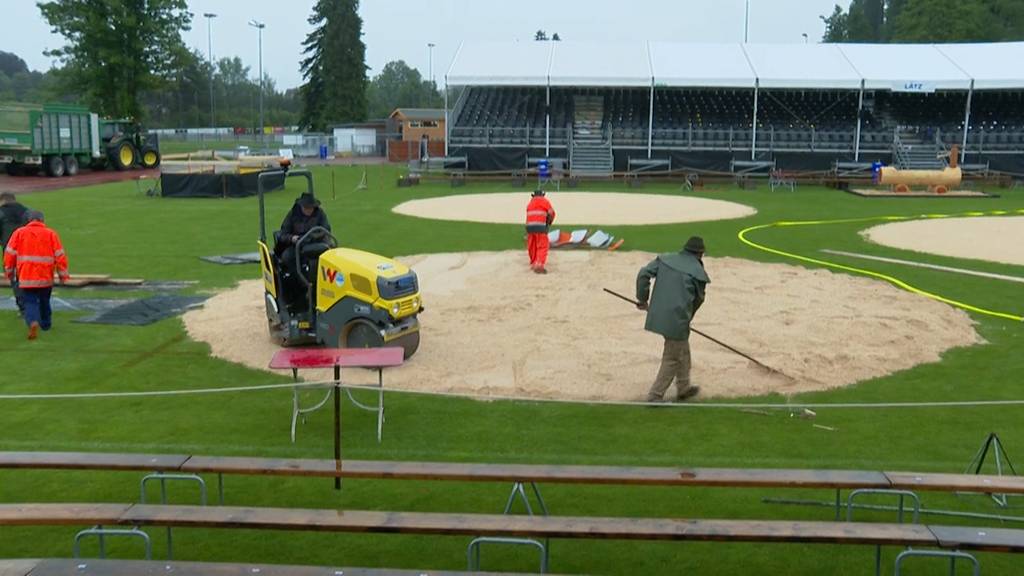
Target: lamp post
{"points": [[430, 59], [260, 26], [209, 38], [746, 24]]}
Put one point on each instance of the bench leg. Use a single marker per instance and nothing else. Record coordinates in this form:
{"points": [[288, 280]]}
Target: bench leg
{"points": [[100, 532], [473, 551], [163, 478], [953, 556]]}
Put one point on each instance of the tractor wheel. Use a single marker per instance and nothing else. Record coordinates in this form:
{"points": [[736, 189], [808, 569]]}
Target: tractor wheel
{"points": [[363, 334], [124, 156], [54, 166], [150, 158], [70, 166]]}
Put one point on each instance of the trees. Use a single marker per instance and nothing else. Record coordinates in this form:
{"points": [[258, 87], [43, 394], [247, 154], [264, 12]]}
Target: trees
{"points": [[117, 49], [399, 86], [334, 66], [926, 21]]}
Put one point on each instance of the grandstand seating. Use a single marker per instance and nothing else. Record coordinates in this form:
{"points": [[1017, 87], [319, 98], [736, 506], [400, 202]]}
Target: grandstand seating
{"points": [[796, 120]]}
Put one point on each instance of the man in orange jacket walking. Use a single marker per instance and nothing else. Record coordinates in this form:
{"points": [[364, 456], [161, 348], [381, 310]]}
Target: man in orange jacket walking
{"points": [[33, 253], [539, 216]]}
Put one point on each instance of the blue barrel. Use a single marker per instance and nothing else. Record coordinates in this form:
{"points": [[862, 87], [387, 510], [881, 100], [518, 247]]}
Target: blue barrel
{"points": [[323, 152], [543, 168]]}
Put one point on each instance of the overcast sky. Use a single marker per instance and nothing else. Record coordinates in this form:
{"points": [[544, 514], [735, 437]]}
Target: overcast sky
{"points": [[401, 29]]}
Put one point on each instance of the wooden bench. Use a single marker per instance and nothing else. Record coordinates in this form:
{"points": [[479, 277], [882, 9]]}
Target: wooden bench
{"points": [[945, 538], [147, 568]]}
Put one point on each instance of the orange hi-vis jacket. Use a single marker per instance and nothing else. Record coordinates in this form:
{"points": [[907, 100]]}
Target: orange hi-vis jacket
{"points": [[539, 215], [34, 251]]}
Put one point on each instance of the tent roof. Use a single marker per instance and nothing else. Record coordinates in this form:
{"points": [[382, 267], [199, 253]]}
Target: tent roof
{"points": [[600, 64], [500, 64], [700, 65], [992, 66], [899, 67], [818, 66], [894, 66]]}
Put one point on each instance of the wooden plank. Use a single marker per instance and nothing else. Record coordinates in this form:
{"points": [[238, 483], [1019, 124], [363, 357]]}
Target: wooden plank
{"points": [[988, 484], [635, 475], [528, 526], [981, 539], [17, 567], [96, 567], [61, 514], [91, 461]]}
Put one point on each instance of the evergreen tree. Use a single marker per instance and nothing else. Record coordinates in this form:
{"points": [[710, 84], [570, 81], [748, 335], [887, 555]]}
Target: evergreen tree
{"points": [[399, 86], [334, 66], [117, 49]]}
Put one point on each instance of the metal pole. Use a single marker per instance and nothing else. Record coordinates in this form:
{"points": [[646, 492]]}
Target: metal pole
{"points": [[430, 59], [650, 124], [209, 40], [746, 24], [260, 26], [860, 111], [753, 139], [967, 123], [547, 121], [447, 122]]}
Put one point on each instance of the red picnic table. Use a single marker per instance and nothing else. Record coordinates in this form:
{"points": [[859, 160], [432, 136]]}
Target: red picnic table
{"points": [[377, 359]]}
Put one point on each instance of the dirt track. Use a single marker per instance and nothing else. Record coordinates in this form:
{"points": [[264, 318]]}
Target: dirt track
{"points": [[43, 183]]}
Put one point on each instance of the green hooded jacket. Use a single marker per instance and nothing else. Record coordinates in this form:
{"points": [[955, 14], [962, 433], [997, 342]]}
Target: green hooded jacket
{"points": [[678, 293]]}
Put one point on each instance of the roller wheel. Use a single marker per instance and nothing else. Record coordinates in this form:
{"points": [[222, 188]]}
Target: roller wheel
{"points": [[70, 166], [150, 158], [54, 166], [363, 335], [410, 343]]}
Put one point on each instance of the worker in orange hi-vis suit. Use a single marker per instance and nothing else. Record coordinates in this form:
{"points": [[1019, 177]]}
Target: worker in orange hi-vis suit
{"points": [[539, 216]]}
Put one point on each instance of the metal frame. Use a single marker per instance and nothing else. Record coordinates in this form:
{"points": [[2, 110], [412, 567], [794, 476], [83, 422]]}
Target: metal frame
{"points": [[860, 114], [992, 442], [903, 494], [953, 557], [101, 532], [163, 478], [967, 123], [753, 125], [473, 551]]}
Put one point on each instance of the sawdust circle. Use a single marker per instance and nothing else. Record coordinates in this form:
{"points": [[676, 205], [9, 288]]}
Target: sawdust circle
{"points": [[996, 238], [493, 328], [577, 208]]}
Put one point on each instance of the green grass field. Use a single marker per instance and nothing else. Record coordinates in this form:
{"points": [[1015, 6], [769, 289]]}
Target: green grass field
{"points": [[113, 229]]}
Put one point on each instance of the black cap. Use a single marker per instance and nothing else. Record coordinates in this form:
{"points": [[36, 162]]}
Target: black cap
{"points": [[307, 200], [34, 215], [695, 244], [538, 192]]}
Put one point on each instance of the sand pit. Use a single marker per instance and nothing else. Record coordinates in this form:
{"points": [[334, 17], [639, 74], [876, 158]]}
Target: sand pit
{"points": [[996, 239], [493, 328], [577, 208]]}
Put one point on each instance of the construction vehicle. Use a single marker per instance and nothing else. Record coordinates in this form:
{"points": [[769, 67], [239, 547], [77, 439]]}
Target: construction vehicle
{"points": [[336, 297], [60, 140]]}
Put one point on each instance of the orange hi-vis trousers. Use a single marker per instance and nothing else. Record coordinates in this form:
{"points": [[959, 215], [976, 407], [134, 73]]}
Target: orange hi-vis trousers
{"points": [[537, 244]]}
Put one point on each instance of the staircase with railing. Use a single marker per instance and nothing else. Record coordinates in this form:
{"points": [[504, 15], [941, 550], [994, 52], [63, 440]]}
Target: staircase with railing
{"points": [[913, 151], [590, 153]]}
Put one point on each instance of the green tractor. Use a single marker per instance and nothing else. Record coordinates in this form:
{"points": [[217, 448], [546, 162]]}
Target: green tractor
{"points": [[59, 139]]}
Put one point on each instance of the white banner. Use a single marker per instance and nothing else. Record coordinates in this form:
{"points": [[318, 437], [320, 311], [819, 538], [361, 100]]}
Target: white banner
{"points": [[913, 86]]}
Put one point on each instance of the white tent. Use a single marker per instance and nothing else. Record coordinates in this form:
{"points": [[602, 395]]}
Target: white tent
{"points": [[599, 64], [906, 67], [991, 66], [500, 64], [807, 66], [676, 64]]}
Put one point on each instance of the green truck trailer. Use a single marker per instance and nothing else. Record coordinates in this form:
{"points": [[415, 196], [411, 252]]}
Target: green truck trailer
{"points": [[60, 139]]}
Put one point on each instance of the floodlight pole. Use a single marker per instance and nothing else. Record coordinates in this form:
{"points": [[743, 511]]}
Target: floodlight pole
{"points": [[430, 59], [209, 39], [650, 123], [967, 123], [547, 121], [260, 26], [447, 123], [746, 24]]}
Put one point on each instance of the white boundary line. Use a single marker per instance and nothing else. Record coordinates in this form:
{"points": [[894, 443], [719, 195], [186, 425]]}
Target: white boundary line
{"points": [[328, 383], [929, 266]]}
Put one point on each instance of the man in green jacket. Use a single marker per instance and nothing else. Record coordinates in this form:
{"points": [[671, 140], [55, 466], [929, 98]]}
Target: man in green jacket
{"points": [[678, 294]]}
